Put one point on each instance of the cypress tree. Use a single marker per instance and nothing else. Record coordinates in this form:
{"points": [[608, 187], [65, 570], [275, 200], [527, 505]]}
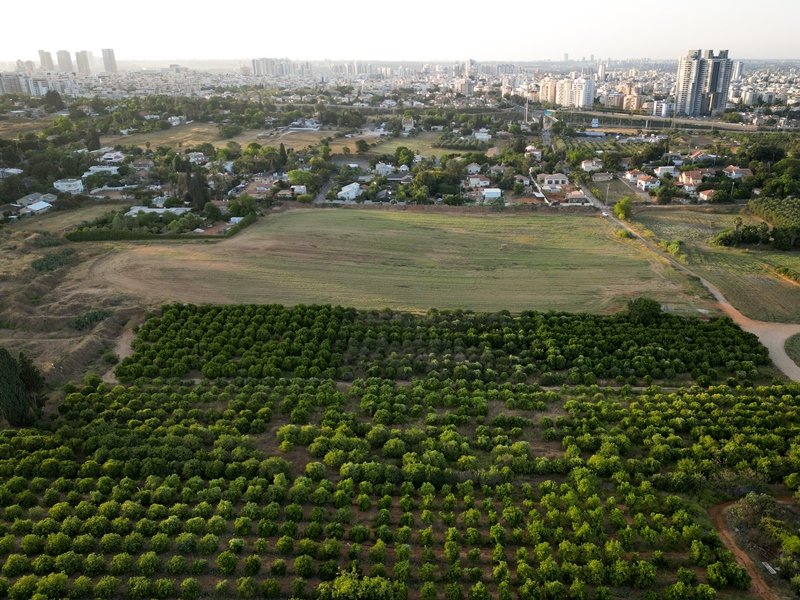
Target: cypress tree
{"points": [[14, 400]]}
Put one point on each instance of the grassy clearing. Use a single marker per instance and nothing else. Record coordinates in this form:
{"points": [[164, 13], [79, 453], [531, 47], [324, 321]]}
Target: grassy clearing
{"points": [[793, 348], [64, 220], [615, 189], [408, 261], [186, 136], [422, 144], [745, 276], [11, 128]]}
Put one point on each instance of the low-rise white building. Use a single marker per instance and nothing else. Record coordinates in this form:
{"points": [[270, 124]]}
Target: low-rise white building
{"points": [[383, 169], [69, 186], [492, 194], [349, 192]]}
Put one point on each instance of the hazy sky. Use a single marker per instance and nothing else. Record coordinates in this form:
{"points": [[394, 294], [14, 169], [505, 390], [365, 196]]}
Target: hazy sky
{"points": [[513, 30]]}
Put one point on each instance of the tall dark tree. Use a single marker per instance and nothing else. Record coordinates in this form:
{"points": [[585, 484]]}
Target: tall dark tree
{"points": [[53, 101], [15, 401], [198, 190], [283, 158]]}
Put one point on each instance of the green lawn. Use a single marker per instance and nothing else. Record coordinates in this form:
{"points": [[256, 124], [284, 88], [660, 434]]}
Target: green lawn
{"points": [[409, 261], [745, 276], [422, 144]]}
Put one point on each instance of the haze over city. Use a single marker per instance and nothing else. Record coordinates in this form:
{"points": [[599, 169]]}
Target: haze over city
{"points": [[415, 30]]}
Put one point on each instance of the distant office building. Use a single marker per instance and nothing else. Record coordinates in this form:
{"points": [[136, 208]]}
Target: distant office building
{"points": [[465, 87], [83, 60], [46, 61], [109, 61], [703, 81], [601, 72], [64, 61], [738, 70]]}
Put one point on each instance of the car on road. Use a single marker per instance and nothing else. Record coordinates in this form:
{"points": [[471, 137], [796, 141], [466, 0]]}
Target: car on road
{"points": [[605, 214]]}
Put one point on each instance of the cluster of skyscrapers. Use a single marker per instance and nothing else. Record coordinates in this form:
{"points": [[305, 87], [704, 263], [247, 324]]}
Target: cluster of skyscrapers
{"points": [[703, 82], [83, 59]]}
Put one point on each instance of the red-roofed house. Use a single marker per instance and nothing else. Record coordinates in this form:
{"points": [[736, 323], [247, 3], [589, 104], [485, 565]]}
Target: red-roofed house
{"points": [[733, 172], [706, 195]]}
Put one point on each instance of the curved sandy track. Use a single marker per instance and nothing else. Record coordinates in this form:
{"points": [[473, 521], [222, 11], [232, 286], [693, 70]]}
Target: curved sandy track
{"points": [[772, 335]]}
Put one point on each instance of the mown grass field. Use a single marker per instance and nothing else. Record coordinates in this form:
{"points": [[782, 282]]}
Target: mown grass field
{"points": [[406, 260], [745, 276], [422, 144]]}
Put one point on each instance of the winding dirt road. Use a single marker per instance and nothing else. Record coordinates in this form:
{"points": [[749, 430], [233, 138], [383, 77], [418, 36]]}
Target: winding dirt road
{"points": [[772, 335]]}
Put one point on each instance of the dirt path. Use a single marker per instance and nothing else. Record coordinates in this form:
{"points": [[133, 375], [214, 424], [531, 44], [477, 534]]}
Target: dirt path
{"points": [[772, 335], [758, 585], [122, 349]]}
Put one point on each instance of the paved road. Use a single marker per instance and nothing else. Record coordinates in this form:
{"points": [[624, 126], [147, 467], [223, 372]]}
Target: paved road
{"points": [[772, 335]]}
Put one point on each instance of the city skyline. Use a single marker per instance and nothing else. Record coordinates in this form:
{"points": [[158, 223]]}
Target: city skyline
{"points": [[415, 32]]}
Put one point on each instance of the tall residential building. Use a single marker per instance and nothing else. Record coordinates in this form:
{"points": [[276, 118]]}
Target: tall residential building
{"points": [[601, 72], [583, 92], [703, 80], [109, 61], [64, 61], [84, 61], [46, 61], [547, 90], [738, 70]]}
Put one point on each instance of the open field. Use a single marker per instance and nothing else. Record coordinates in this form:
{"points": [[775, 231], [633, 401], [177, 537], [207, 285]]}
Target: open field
{"points": [[616, 189], [422, 144], [745, 276], [184, 136], [11, 128], [404, 260], [63, 220]]}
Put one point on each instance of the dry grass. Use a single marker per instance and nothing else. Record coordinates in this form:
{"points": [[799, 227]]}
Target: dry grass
{"points": [[404, 260], [745, 276], [12, 128]]}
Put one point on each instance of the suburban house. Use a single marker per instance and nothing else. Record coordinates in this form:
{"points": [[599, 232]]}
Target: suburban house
{"points": [[499, 170], [69, 186], [408, 123], [533, 152], [691, 178], [175, 210], [733, 172], [554, 179], [112, 158], [647, 182], [34, 198], [591, 165], [482, 135], [197, 158], [349, 192], [299, 190], [473, 168], [602, 176], [478, 181], [668, 170], [706, 195], [383, 169], [36, 208], [492, 194], [700, 156], [576, 198], [526, 181], [633, 175]]}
